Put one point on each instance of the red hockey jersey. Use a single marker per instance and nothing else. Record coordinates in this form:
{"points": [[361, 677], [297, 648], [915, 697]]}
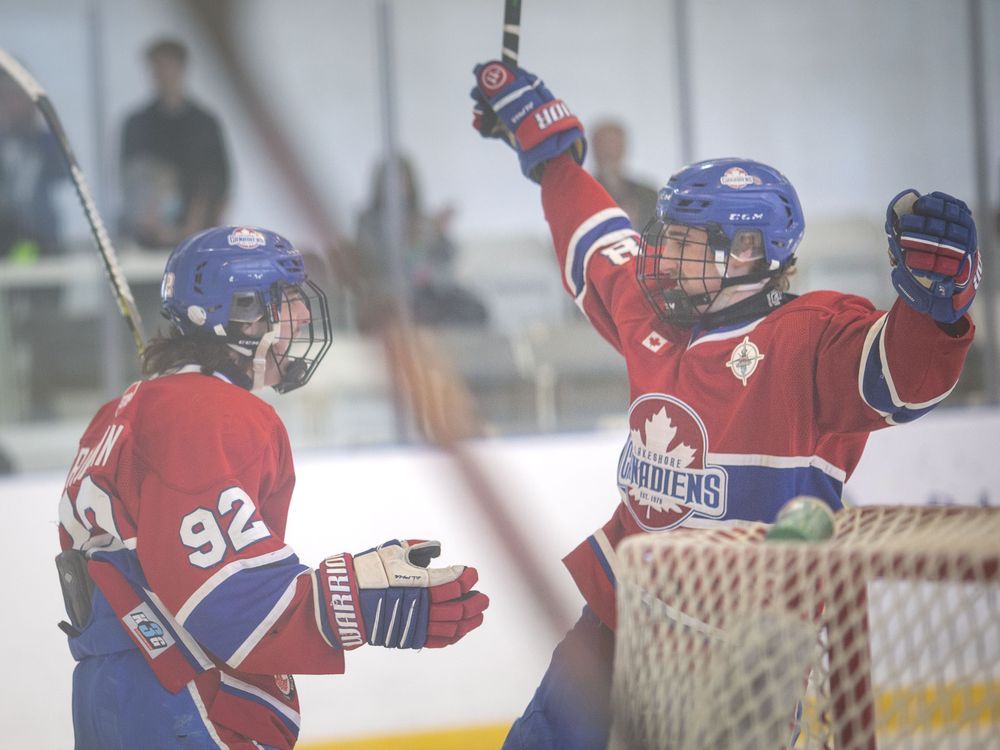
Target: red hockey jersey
{"points": [[726, 425], [180, 493]]}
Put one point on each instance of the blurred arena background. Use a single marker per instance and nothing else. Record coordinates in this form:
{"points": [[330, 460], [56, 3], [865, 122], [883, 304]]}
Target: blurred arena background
{"points": [[853, 101]]}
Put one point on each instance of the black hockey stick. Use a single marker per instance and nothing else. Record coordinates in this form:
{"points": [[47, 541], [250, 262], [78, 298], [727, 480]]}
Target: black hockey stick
{"points": [[119, 284], [511, 32]]}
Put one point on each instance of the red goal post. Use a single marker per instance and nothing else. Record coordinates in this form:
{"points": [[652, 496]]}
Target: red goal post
{"points": [[887, 635]]}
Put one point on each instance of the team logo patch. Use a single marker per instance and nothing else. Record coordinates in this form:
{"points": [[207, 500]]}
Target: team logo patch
{"points": [[738, 178], [654, 342], [743, 361], [663, 476], [286, 685], [493, 77], [246, 238], [148, 630]]}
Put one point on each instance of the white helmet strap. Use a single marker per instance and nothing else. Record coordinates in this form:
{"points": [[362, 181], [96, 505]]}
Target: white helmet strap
{"points": [[260, 358]]}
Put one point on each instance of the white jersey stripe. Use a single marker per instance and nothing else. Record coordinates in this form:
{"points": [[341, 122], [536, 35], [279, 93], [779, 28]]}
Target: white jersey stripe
{"points": [[292, 716], [262, 629], [723, 335], [876, 333], [609, 552], [203, 712], [611, 238], [870, 337], [185, 637], [608, 239], [226, 572], [894, 394], [778, 462]]}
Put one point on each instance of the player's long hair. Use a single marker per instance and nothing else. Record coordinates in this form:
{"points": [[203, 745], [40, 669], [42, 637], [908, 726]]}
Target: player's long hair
{"points": [[783, 280], [173, 350]]}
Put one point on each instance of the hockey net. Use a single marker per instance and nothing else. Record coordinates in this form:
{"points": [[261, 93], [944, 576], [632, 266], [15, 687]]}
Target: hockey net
{"points": [[887, 635]]}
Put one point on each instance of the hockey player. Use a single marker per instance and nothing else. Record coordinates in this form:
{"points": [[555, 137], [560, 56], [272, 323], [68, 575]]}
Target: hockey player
{"points": [[175, 507], [743, 396]]}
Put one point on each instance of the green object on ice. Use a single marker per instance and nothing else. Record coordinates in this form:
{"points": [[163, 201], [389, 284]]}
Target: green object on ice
{"points": [[802, 519]]}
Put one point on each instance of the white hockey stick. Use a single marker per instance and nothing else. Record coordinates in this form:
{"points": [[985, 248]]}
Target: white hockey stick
{"points": [[119, 284]]}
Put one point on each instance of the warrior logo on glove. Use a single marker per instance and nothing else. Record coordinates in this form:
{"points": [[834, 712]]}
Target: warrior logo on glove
{"points": [[389, 596]]}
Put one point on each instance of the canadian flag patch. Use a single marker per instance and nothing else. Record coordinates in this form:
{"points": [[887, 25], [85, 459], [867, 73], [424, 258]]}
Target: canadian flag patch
{"points": [[654, 342]]}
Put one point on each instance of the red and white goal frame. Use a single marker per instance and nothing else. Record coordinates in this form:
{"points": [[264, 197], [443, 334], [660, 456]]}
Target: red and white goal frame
{"points": [[886, 635]]}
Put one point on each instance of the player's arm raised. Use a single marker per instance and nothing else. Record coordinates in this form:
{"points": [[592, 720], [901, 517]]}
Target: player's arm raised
{"points": [[514, 106], [910, 358]]}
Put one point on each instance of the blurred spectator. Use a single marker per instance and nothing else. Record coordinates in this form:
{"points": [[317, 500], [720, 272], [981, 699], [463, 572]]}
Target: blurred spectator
{"points": [[427, 254], [31, 166], [6, 463], [32, 170], [175, 171], [608, 146]]}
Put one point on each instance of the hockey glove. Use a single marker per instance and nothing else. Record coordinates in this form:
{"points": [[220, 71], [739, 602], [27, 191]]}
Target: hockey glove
{"points": [[387, 596], [935, 260], [514, 105]]}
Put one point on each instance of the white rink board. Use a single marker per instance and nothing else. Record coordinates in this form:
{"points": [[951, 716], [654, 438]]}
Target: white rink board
{"points": [[563, 486]]}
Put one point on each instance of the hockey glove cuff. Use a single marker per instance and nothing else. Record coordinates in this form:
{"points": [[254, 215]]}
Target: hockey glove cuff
{"points": [[514, 105], [933, 251], [388, 596]]}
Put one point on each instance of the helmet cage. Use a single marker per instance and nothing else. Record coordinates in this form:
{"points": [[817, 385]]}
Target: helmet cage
{"points": [[254, 298], [749, 211], [669, 257], [297, 315]]}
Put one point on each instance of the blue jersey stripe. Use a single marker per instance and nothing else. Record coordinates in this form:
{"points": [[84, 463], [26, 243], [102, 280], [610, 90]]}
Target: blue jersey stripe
{"points": [[875, 387], [226, 617], [234, 689], [126, 561], [583, 245], [764, 489], [605, 566]]}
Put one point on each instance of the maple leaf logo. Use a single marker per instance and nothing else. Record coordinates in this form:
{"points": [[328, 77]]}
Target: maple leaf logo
{"points": [[660, 433]]}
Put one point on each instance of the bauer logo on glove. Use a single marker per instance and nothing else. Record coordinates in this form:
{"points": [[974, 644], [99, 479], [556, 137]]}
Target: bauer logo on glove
{"points": [[514, 106], [936, 266]]}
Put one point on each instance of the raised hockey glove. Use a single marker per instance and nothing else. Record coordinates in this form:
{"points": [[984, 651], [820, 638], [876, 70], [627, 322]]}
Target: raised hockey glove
{"points": [[514, 105], [934, 255], [388, 596]]}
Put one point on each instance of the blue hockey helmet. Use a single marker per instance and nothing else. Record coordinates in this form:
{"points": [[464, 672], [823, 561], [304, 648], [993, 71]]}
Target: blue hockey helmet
{"points": [[739, 203], [247, 287]]}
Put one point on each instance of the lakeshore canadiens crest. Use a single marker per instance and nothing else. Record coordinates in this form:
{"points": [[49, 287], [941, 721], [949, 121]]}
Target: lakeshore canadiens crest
{"points": [[663, 477]]}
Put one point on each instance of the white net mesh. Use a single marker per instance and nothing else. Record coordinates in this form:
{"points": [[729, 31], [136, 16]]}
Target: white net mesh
{"points": [[886, 636]]}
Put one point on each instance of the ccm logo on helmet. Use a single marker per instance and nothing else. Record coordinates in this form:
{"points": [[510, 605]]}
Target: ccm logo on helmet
{"points": [[746, 217]]}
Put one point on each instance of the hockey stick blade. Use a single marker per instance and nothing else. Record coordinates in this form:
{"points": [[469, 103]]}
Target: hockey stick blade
{"points": [[119, 284]]}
